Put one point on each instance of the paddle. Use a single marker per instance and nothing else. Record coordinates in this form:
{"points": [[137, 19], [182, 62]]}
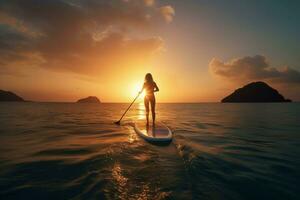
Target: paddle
{"points": [[118, 122]]}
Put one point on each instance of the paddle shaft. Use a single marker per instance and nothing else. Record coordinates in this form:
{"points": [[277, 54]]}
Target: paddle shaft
{"points": [[129, 106]]}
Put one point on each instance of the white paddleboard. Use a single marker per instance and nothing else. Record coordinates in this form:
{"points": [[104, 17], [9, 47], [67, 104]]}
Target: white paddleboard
{"points": [[158, 133]]}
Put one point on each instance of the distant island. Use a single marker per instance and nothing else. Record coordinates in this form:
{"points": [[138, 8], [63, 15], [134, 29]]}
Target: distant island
{"points": [[255, 92], [90, 99], [9, 96]]}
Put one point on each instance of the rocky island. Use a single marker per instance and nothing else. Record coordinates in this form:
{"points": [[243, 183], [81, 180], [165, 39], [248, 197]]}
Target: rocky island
{"points": [[9, 96], [90, 99], [255, 92]]}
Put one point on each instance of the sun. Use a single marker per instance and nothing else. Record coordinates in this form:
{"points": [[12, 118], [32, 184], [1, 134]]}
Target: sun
{"points": [[134, 90]]}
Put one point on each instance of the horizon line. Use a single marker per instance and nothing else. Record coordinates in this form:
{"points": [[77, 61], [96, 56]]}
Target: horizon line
{"points": [[106, 102], [30, 101]]}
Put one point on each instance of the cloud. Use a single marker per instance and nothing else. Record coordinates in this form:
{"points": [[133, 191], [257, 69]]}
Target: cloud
{"points": [[83, 36], [253, 68], [168, 12]]}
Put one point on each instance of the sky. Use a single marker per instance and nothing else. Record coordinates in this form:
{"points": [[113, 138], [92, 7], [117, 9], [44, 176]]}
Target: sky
{"points": [[196, 50]]}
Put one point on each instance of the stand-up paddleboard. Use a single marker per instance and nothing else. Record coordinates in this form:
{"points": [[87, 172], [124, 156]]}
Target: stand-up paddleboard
{"points": [[159, 133]]}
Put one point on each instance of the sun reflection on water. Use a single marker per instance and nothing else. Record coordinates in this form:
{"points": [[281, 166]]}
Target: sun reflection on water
{"points": [[141, 111], [145, 193], [122, 184], [120, 181], [117, 175]]}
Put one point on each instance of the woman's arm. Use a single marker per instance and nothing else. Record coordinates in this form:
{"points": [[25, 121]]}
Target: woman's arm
{"points": [[142, 88], [156, 89]]}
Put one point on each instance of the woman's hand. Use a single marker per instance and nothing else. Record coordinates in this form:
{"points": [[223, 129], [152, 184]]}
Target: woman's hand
{"points": [[156, 89]]}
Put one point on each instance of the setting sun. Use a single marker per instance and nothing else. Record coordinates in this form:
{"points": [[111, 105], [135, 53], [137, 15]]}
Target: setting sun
{"points": [[135, 89]]}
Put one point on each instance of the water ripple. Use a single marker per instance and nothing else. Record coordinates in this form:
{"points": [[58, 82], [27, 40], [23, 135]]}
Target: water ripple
{"points": [[219, 151]]}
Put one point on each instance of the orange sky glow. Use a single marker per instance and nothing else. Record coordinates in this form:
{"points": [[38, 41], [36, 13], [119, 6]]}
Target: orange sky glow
{"points": [[66, 50]]}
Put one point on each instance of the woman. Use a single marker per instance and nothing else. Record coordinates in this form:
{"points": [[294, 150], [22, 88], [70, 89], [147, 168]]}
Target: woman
{"points": [[150, 87]]}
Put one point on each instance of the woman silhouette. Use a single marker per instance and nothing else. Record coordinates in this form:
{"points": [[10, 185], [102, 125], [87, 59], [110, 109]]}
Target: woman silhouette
{"points": [[150, 87]]}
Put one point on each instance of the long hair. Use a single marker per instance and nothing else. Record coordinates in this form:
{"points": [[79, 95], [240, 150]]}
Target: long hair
{"points": [[148, 78]]}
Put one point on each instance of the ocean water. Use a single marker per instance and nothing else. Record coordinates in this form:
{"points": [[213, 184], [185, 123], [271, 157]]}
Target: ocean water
{"points": [[219, 151]]}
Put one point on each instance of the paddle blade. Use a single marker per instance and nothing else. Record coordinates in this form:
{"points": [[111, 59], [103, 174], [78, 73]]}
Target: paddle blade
{"points": [[118, 122]]}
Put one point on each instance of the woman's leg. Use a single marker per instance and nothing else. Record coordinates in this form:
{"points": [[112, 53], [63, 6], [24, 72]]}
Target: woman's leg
{"points": [[153, 102], [146, 103]]}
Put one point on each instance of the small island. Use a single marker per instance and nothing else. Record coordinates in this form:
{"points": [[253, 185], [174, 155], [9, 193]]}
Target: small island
{"points": [[10, 96], [90, 99], [255, 92]]}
